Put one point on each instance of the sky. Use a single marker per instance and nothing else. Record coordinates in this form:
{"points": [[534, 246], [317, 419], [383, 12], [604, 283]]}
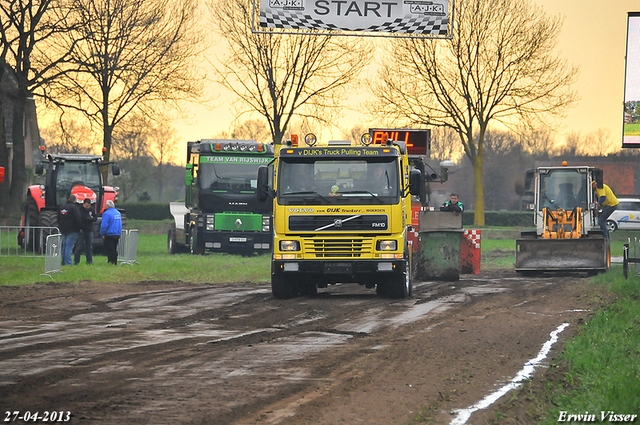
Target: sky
{"points": [[593, 37]]}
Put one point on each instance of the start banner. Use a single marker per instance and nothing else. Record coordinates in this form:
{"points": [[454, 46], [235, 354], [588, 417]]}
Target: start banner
{"points": [[412, 17]]}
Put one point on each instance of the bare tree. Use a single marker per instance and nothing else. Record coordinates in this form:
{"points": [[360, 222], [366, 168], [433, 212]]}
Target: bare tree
{"points": [[251, 130], [572, 144], [68, 134], [163, 146], [131, 149], [500, 65], [599, 143], [130, 57], [537, 140], [445, 144], [26, 67], [355, 132], [278, 75]]}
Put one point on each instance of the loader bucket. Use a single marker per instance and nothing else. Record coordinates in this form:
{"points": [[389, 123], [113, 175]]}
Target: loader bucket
{"points": [[583, 254]]}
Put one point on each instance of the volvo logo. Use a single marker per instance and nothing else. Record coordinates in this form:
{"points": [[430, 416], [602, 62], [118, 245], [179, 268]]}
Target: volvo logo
{"points": [[337, 222], [238, 223]]}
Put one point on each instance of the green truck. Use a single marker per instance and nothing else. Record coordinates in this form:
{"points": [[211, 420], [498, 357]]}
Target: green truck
{"points": [[221, 212]]}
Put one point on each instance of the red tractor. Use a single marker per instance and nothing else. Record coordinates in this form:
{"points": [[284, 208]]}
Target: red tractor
{"points": [[77, 174]]}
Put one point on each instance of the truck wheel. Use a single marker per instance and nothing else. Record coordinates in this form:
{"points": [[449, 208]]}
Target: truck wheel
{"points": [[195, 246], [47, 219], [310, 289], [381, 288], [402, 286], [281, 287], [171, 241]]}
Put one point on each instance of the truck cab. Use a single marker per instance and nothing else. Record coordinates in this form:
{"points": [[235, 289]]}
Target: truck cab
{"points": [[221, 212], [341, 213]]}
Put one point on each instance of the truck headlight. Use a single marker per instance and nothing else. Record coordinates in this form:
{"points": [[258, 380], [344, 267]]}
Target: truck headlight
{"points": [[387, 245], [210, 223], [265, 223], [289, 246]]}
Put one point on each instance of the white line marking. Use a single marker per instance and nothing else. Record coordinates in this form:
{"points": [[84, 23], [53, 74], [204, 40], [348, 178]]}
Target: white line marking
{"points": [[463, 415]]}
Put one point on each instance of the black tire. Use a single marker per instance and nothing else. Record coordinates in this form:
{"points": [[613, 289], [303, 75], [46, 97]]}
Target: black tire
{"points": [[612, 226], [172, 244], [48, 218], [281, 287], [31, 218], [402, 286], [195, 246], [309, 289]]}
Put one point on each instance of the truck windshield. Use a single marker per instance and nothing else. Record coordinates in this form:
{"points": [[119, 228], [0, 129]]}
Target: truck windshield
{"points": [[566, 189], [70, 174], [344, 181], [230, 174]]}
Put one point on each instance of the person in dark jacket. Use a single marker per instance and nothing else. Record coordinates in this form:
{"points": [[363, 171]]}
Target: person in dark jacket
{"points": [[110, 230], [453, 205], [85, 239], [69, 225]]}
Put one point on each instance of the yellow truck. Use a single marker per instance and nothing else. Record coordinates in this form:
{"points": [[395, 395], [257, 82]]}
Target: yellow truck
{"points": [[341, 213]]}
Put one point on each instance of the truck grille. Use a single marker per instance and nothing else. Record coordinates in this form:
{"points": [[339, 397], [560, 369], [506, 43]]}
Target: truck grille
{"points": [[333, 223], [344, 248]]}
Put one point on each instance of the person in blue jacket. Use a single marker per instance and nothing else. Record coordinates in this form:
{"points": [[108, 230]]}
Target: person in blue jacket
{"points": [[110, 230]]}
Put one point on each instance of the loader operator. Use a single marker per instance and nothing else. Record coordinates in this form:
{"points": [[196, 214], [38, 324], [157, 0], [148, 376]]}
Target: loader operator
{"points": [[609, 203], [453, 205]]}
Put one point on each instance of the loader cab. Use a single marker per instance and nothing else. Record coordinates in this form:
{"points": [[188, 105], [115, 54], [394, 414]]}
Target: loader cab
{"points": [[564, 188]]}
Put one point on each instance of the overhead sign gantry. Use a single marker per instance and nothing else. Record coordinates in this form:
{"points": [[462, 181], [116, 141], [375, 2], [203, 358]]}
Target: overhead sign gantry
{"points": [[370, 18]]}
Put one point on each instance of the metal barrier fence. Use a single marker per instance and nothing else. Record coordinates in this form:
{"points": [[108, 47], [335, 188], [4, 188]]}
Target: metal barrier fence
{"points": [[628, 258], [128, 247], [122, 244], [18, 241], [53, 255]]}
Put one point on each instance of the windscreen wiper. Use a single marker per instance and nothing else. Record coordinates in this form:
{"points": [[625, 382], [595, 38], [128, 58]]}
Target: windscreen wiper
{"points": [[373, 195], [305, 192]]}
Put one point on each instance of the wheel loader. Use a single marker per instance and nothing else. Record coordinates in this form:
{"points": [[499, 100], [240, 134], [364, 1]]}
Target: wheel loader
{"points": [[567, 235]]}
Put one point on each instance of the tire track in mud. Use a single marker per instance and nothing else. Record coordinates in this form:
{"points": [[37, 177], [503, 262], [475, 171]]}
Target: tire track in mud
{"points": [[182, 355]]}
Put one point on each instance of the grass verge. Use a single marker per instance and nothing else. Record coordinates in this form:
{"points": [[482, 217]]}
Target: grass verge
{"points": [[598, 370], [603, 361], [155, 265]]}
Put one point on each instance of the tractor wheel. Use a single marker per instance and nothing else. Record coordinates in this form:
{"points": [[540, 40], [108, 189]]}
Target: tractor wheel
{"points": [[123, 220], [31, 219], [48, 218]]}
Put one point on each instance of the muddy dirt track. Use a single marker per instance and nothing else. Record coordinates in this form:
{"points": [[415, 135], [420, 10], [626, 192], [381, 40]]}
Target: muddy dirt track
{"points": [[163, 353]]}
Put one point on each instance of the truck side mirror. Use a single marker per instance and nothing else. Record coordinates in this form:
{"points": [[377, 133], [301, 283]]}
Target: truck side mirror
{"points": [[115, 169], [444, 174], [415, 182], [39, 169], [262, 191], [528, 178]]}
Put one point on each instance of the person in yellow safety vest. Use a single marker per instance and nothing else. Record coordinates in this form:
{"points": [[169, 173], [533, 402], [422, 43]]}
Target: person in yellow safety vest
{"points": [[609, 204]]}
